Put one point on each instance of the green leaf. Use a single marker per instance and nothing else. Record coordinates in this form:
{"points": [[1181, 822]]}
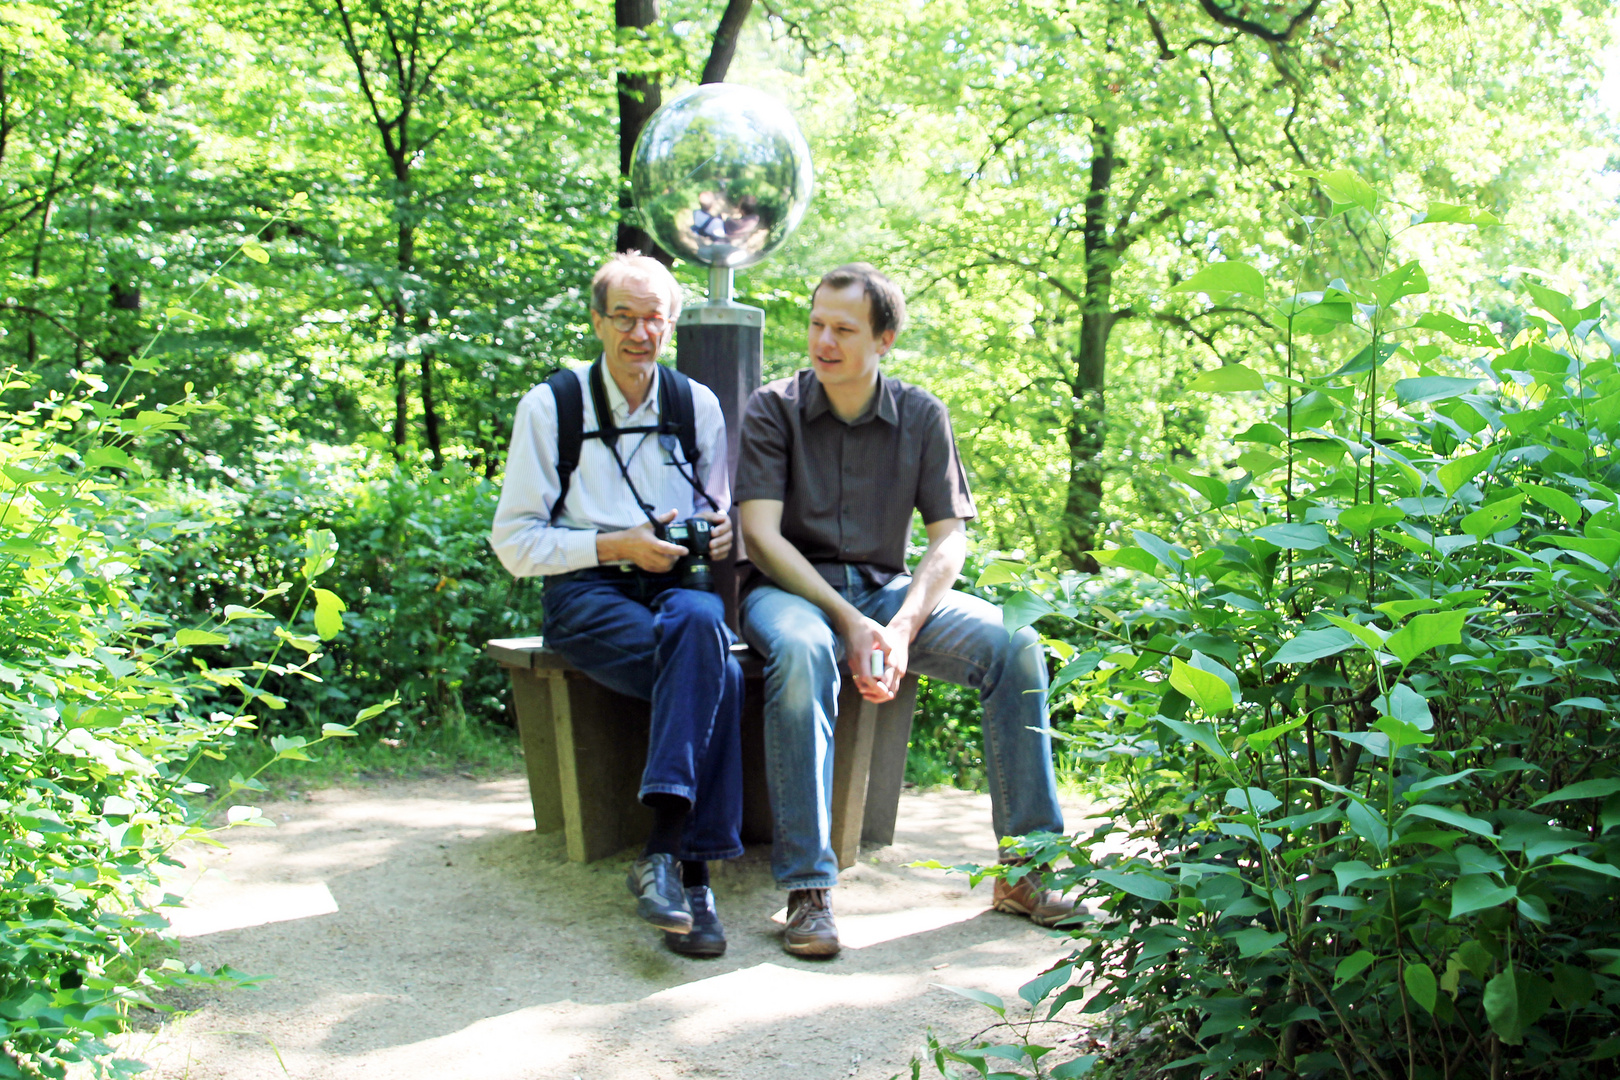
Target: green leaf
{"points": [[1583, 863], [1252, 800], [1426, 632], [1475, 892], [1208, 690], [371, 712], [1573, 986], [1198, 734], [1023, 608], [1069, 1070], [1347, 186], [337, 731], [1502, 1007], [1454, 474], [1561, 503], [1363, 519], [1143, 885], [1368, 824], [1499, 515], [1231, 379], [1406, 705], [1259, 740], [1463, 333], [1310, 645], [999, 572], [1432, 388], [1352, 965], [1584, 789], [983, 997], [1254, 941], [1214, 491], [1408, 279], [1400, 733], [187, 638], [1295, 536], [237, 611], [108, 456], [1131, 558], [255, 251], [329, 609], [1036, 990], [1224, 278], [1421, 985], [320, 547], [1449, 817], [1370, 635], [1457, 214]]}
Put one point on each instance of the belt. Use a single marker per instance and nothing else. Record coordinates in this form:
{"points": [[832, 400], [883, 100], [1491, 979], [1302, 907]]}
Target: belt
{"points": [[620, 572]]}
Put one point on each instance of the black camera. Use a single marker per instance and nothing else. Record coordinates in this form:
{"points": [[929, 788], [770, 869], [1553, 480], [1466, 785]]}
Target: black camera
{"points": [[695, 568]]}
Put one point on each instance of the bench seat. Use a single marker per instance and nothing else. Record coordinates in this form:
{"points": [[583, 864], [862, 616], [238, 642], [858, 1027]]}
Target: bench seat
{"points": [[584, 747]]}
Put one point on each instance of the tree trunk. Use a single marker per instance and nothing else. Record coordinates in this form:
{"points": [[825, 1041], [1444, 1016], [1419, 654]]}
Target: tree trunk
{"points": [[639, 98], [404, 260], [1087, 428]]}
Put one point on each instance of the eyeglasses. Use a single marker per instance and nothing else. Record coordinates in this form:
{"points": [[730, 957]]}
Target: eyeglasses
{"points": [[626, 324]]}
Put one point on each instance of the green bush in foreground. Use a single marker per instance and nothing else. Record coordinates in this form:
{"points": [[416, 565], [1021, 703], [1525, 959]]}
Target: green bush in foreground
{"points": [[1367, 732], [99, 723]]}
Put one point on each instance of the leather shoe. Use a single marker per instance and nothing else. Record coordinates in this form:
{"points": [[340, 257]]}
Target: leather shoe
{"points": [[810, 928], [655, 882], [1028, 897], [708, 937]]}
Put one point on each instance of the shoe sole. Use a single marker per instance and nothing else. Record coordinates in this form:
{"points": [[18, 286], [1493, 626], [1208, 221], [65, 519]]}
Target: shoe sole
{"points": [[670, 922], [705, 952], [816, 949]]}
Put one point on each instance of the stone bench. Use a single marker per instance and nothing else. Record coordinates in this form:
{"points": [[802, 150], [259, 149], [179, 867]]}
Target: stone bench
{"points": [[584, 747]]}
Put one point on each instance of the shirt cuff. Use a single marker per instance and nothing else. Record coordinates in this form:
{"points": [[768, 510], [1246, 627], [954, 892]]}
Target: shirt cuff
{"points": [[579, 549]]}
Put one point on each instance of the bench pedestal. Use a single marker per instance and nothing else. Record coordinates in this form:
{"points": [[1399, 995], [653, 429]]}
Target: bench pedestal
{"points": [[584, 747]]}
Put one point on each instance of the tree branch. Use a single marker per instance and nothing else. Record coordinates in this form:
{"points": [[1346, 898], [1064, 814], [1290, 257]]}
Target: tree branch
{"points": [[725, 40], [1260, 30]]}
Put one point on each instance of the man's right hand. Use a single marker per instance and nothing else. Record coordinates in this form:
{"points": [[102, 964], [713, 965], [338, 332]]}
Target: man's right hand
{"points": [[861, 635], [641, 546]]}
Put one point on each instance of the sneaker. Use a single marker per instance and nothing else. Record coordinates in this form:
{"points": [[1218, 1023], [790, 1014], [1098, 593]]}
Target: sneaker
{"points": [[708, 937], [1028, 897], [655, 882], [810, 928]]}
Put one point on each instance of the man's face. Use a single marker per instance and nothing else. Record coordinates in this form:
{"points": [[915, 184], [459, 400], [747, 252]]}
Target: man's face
{"points": [[631, 354], [843, 349]]}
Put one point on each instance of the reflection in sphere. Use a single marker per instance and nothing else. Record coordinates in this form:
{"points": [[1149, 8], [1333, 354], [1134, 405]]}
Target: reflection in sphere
{"points": [[721, 175]]}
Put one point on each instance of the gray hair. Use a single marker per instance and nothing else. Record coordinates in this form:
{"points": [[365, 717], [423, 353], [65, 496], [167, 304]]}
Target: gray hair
{"points": [[634, 266]]}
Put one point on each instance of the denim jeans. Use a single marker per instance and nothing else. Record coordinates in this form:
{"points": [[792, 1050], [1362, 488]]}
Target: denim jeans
{"points": [[640, 636], [963, 642]]}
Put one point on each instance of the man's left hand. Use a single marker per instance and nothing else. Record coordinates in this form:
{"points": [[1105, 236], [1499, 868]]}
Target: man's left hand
{"points": [[720, 537]]}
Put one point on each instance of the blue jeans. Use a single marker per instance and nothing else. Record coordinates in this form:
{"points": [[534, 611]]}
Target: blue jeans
{"points": [[641, 637], [963, 642]]}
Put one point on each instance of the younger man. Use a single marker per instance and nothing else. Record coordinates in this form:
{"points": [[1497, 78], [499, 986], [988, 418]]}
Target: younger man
{"points": [[833, 462]]}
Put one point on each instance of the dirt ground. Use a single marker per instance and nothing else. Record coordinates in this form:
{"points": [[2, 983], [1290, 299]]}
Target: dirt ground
{"points": [[422, 930]]}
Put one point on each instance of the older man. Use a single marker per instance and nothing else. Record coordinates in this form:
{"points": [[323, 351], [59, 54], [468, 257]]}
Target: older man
{"points": [[604, 458], [834, 461]]}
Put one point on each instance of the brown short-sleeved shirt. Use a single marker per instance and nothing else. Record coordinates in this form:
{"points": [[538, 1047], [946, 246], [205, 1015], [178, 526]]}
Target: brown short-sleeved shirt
{"points": [[848, 489]]}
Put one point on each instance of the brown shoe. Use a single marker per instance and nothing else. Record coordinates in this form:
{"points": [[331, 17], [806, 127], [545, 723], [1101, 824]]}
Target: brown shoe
{"points": [[810, 927], [1042, 906]]}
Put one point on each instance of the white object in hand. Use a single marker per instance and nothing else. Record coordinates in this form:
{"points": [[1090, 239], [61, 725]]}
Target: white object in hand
{"points": [[877, 662]]}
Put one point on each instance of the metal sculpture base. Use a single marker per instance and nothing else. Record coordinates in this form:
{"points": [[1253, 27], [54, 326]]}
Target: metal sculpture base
{"points": [[722, 346]]}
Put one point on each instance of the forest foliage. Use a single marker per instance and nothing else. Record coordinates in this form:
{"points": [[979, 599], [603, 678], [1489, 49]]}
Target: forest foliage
{"points": [[276, 275]]}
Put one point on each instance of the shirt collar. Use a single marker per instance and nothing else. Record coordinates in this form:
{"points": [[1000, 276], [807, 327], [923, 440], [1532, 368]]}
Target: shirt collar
{"points": [[617, 402], [814, 402]]}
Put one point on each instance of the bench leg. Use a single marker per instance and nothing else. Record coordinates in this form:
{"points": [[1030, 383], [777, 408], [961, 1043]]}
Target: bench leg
{"points": [[852, 759], [531, 696], [888, 772], [599, 765]]}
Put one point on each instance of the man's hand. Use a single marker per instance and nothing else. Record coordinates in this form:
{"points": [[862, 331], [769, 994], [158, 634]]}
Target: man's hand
{"points": [[861, 636], [720, 537], [641, 546]]}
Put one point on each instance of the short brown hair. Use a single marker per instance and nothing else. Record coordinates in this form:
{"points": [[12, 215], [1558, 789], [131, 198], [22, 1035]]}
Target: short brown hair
{"points": [[884, 296], [631, 266]]}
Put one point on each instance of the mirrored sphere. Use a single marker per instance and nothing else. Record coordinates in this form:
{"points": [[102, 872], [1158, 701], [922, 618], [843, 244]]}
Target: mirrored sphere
{"points": [[721, 175]]}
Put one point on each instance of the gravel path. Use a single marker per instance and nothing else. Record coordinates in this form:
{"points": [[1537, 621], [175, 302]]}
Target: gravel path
{"points": [[421, 930]]}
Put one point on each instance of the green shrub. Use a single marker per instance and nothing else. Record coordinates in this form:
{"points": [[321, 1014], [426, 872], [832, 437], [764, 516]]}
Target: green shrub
{"points": [[1366, 731], [101, 717], [424, 589]]}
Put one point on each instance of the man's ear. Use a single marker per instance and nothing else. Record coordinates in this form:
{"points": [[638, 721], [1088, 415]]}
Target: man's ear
{"points": [[886, 341]]}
